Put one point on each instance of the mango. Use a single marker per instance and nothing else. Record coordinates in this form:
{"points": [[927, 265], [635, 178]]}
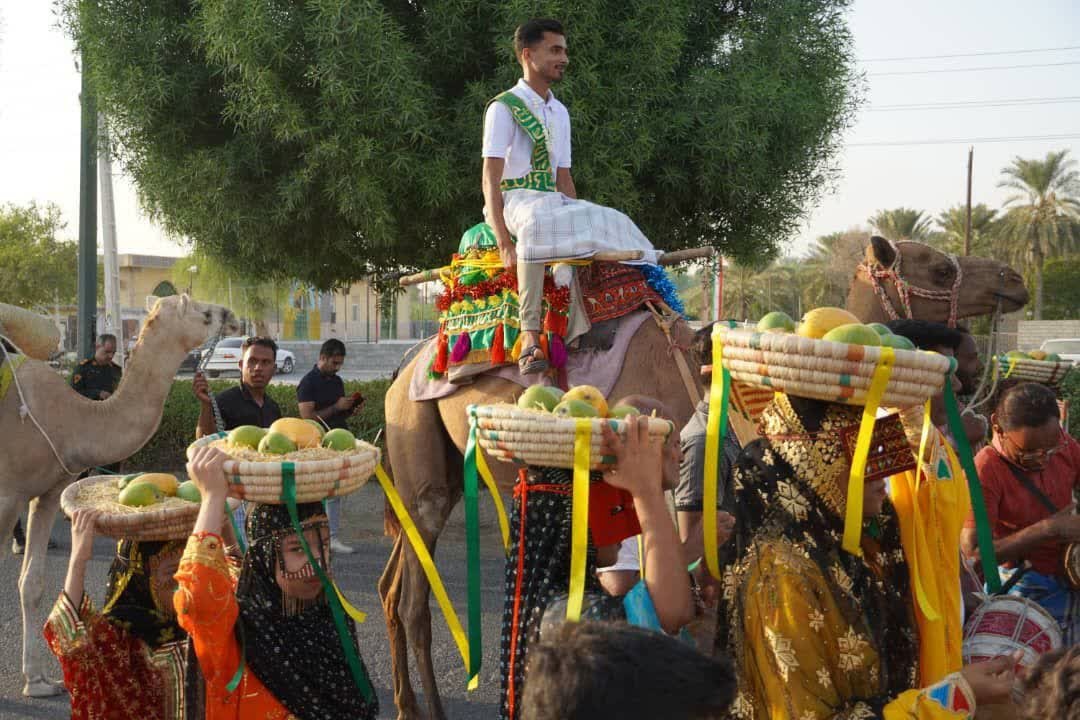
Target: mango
{"points": [[540, 397], [1018, 354], [575, 409], [590, 395], [339, 439], [165, 482], [1037, 354], [302, 434], [853, 334], [246, 436], [140, 494], [776, 321], [621, 412], [189, 491], [880, 328], [317, 425], [124, 481], [275, 443], [819, 321], [897, 341]]}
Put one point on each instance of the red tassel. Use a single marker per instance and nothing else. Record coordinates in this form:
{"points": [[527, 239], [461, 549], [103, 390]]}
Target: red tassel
{"points": [[442, 355], [498, 350], [555, 322]]}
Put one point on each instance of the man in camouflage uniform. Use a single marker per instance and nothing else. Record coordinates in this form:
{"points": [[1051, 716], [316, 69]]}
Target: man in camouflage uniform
{"points": [[98, 377]]}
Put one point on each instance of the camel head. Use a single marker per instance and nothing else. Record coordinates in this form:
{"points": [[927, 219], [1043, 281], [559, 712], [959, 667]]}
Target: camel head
{"points": [[922, 282], [190, 322]]}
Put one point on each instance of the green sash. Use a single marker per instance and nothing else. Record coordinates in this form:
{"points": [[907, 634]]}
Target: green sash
{"points": [[539, 178]]}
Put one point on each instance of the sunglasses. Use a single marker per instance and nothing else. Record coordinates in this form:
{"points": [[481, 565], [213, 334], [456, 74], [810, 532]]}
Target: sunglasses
{"points": [[1031, 458]]}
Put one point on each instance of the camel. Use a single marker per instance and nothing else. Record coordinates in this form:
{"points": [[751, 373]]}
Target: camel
{"points": [[428, 472], [86, 434]]}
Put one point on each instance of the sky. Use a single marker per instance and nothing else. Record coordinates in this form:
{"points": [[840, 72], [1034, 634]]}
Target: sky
{"points": [[39, 110]]}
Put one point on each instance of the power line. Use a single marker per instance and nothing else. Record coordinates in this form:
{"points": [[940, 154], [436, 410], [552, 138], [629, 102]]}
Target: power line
{"points": [[973, 54], [973, 69], [972, 104], [955, 141]]}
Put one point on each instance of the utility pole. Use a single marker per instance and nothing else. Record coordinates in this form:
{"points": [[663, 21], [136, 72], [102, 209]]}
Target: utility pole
{"points": [[967, 225], [113, 321], [718, 290], [87, 219]]}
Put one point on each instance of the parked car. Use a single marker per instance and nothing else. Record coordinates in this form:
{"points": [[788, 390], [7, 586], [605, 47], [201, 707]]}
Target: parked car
{"points": [[191, 362], [1067, 348], [226, 358]]}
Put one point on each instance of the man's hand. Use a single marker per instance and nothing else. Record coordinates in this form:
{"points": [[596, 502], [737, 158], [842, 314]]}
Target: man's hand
{"points": [[201, 387], [344, 403], [207, 469], [508, 254], [638, 467], [1065, 524], [992, 680], [82, 534], [725, 526]]}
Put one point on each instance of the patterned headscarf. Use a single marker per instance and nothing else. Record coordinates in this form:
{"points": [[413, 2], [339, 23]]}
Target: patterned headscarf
{"points": [[790, 485], [296, 655], [134, 604]]}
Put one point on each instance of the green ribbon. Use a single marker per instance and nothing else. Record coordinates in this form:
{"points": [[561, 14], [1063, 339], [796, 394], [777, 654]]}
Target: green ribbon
{"points": [[978, 503], [239, 674], [359, 674], [472, 549]]}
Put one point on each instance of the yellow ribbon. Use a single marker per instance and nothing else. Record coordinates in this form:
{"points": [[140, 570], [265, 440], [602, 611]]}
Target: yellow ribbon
{"points": [[579, 524], [853, 520], [428, 566], [500, 509], [712, 457], [358, 615], [7, 372], [921, 597], [1012, 366]]}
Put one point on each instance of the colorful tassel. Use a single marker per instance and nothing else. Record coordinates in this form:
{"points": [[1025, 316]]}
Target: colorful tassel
{"points": [[498, 350], [555, 322], [558, 352], [544, 346], [515, 352], [440, 366], [462, 346]]}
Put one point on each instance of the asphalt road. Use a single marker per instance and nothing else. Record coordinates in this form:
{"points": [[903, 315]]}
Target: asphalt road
{"points": [[357, 574]]}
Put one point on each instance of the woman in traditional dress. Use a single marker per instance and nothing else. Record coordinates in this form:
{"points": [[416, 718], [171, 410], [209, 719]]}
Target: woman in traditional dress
{"points": [[1029, 475], [126, 660], [268, 646], [816, 632]]}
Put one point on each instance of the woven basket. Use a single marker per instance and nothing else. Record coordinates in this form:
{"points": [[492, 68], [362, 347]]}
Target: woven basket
{"points": [[530, 437], [171, 519], [316, 480], [829, 371], [1040, 371]]}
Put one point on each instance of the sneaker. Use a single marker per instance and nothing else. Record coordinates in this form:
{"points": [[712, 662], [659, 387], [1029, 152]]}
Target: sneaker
{"points": [[16, 547], [340, 547]]}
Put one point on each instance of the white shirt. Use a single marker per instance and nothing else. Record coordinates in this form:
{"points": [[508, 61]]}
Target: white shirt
{"points": [[504, 138]]}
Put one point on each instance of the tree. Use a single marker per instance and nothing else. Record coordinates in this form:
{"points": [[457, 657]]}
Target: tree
{"points": [[38, 268], [249, 297], [1061, 282], [324, 140], [953, 224], [901, 224], [830, 266], [1041, 213]]}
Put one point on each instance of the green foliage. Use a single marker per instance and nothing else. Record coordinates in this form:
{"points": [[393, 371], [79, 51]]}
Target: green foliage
{"points": [[248, 296], [1061, 283], [953, 224], [1070, 391], [37, 266], [165, 450], [901, 224], [263, 130]]}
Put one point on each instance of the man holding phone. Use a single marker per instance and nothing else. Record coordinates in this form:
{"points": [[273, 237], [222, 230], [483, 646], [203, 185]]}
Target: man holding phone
{"points": [[321, 396]]}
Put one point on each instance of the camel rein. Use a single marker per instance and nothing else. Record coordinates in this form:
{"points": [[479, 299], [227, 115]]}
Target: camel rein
{"points": [[666, 318], [24, 408], [879, 275]]}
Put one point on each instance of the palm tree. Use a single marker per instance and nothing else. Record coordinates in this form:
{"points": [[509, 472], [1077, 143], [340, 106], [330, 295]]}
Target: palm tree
{"points": [[829, 267], [1041, 214], [901, 224], [953, 223]]}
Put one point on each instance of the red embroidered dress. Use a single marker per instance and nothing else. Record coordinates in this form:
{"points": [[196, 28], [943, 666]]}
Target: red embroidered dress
{"points": [[110, 673]]}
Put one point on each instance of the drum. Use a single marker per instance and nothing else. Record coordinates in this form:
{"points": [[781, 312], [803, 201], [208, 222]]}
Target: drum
{"points": [[1006, 623], [1071, 571]]}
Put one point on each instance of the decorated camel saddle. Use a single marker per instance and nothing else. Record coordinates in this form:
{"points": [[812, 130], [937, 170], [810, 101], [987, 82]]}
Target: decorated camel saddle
{"points": [[595, 306]]}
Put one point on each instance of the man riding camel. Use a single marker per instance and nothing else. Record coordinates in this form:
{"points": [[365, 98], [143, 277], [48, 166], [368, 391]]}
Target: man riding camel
{"points": [[529, 192]]}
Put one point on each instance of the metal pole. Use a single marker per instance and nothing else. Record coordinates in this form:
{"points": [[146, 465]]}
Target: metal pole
{"points": [[718, 302], [87, 293], [113, 321], [967, 225]]}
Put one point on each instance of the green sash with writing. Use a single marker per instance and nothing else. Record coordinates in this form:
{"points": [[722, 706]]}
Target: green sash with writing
{"points": [[539, 178]]}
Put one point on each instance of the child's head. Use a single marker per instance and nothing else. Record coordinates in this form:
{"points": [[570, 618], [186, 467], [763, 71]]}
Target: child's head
{"points": [[591, 670], [1052, 687]]}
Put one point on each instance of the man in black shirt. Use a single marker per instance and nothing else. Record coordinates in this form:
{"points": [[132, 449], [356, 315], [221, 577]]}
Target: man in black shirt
{"points": [[98, 377], [321, 396], [247, 404]]}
